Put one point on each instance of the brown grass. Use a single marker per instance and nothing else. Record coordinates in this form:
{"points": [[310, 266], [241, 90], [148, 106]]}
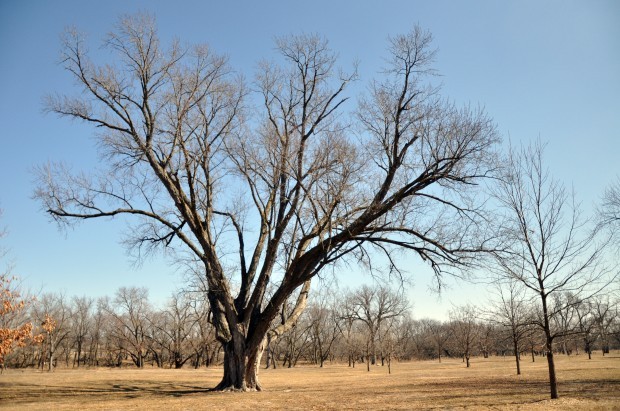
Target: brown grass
{"points": [[489, 384]]}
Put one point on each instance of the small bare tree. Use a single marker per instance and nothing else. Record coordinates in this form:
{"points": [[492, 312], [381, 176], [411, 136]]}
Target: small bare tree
{"points": [[564, 320], [297, 335], [392, 339], [53, 313], [438, 333], [548, 248], [464, 328], [586, 323], [81, 323], [511, 311], [374, 306], [489, 337], [347, 328], [183, 320], [604, 316], [96, 332], [323, 331], [129, 313], [202, 340]]}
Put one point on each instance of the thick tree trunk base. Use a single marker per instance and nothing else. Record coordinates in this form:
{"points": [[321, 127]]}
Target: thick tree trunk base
{"points": [[224, 387], [241, 365], [248, 383]]}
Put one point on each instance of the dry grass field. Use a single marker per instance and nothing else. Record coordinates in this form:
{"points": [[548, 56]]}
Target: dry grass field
{"points": [[489, 384]]}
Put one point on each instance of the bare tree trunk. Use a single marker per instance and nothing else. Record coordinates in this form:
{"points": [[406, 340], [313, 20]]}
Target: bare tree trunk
{"points": [[50, 365], [269, 354], [552, 378], [565, 348], [253, 359], [78, 354], [516, 349], [241, 365], [553, 385], [234, 366], [268, 359]]}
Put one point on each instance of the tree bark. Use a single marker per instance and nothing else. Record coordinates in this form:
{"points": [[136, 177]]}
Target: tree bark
{"points": [[79, 352], [240, 366], [516, 349], [245, 345], [50, 365], [553, 385], [243, 353]]}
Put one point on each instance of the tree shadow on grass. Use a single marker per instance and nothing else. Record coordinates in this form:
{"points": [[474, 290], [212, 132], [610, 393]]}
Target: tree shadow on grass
{"points": [[18, 393], [506, 392], [159, 389]]}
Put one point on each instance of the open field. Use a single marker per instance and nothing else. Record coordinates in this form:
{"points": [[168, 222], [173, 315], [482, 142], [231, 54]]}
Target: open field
{"points": [[490, 384]]}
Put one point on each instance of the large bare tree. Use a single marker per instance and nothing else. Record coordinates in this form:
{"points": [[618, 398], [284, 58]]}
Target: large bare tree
{"points": [[549, 248], [264, 193]]}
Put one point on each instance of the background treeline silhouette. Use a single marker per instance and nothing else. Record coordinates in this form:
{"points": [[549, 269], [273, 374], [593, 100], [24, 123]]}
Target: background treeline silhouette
{"points": [[364, 326]]}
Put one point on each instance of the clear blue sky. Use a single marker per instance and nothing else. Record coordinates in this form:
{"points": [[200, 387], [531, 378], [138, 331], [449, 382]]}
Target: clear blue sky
{"points": [[540, 68]]}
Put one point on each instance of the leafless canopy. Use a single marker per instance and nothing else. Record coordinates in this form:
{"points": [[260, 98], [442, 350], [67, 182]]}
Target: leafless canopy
{"points": [[550, 248], [269, 195]]}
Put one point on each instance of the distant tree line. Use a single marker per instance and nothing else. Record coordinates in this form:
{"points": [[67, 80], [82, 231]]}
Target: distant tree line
{"points": [[367, 326]]}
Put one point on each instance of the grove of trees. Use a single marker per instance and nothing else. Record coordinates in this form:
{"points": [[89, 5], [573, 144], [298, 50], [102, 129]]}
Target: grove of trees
{"points": [[370, 325]]}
